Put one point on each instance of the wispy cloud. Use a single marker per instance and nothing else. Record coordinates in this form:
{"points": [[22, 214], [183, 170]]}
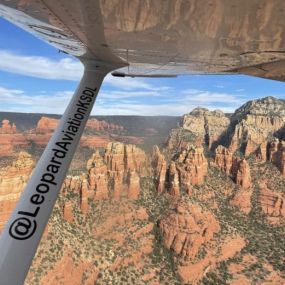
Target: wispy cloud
{"points": [[63, 69], [114, 103], [19, 101], [125, 96], [41, 67], [208, 97]]}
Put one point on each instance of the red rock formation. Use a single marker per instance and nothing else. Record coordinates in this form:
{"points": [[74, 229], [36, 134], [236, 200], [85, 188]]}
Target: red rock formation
{"points": [[243, 177], [12, 181], [272, 203], [174, 185], [205, 124], [46, 125], [121, 160], [94, 141], [261, 153], [187, 228], [242, 200], [192, 166], [97, 125], [114, 174], [233, 166], [133, 181], [9, 138], [277, 154], [97, 177], [254, 130], [68, 211], [159, 169], [65, 271], [8, 128], [250, 147], [224, 159], [71, 185]]}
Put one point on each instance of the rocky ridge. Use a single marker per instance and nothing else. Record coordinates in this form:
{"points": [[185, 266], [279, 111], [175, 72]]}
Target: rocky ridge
{"points": [[111, 175], [193, 212], [201, 126], [187, 168]]}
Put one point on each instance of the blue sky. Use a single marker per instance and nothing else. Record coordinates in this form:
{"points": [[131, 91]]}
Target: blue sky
{"points": [[35, 78]]}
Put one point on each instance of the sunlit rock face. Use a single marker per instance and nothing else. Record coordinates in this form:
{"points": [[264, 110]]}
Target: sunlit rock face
{"points": [[186, 228], [205, 124], [224, 159], [272, 203], [192, 166], [8, 128], [200, 126], [243, 177], [13, 179], [233, 166], [277, 154], [256, 123], [10, 138], [188, 168], [113, 174], [159, 166], [46, 125]]}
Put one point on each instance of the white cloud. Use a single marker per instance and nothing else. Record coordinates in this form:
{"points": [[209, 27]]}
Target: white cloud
{"points": [[174, 109], [41, 67], [19, 101], [118, 96], [207, 97], [64, 69], [128, 94], [118, 102]]}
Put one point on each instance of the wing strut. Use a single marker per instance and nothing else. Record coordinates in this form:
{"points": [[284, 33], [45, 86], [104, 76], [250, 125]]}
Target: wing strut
{"points": [[22, 234]]}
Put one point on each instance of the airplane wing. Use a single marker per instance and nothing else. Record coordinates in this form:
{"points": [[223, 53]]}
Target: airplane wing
{"points": [[162, 37], [150, 38]]}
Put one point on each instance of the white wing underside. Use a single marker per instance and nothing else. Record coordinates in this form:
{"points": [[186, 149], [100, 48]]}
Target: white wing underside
{"points": [[162, 37]]}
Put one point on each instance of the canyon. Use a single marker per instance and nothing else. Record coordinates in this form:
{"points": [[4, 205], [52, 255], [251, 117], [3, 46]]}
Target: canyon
{"points": [[203, 206]]}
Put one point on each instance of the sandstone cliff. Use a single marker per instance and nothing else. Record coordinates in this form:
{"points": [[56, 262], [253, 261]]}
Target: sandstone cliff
{"points": [[277, 154], [13, 179], [207, 125], [189, 231], [233, 166], [10, 138], [46, 125], [186, 228], [8, 128], [113, 174], [198, 127], [256, 122], [272, 204], [159, 166], [188, 168]]}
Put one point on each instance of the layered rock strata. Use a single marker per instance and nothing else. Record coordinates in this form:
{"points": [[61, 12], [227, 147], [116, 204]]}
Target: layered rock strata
{"points": [[13, 179], [110, 175]]}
